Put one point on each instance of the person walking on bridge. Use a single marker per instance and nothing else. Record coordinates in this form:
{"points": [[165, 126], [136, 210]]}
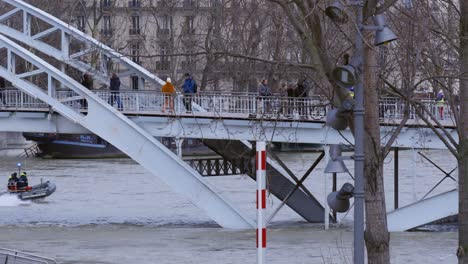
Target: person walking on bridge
{"points": [[440, 101], [263, 91], [114, 87], [190, 88], [168, 91]]}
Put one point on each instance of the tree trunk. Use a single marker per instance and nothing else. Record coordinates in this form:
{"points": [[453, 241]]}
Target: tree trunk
{"points": [[376, 234], [462, 251]]}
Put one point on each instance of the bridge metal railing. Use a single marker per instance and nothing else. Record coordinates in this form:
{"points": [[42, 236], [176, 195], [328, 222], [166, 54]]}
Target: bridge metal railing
{"points": [[217, 104], [11, 256]]}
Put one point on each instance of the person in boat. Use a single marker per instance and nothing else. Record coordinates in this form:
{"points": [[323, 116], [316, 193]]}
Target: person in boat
{"points": [[22, 181], [12, 181]]}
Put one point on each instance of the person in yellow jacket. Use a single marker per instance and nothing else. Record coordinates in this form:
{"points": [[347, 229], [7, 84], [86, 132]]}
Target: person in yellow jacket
{"points": [[169, 93], [440, 102]]}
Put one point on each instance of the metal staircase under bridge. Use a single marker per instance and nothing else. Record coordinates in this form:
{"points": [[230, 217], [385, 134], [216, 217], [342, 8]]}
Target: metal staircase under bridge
{"points": [[117, 128]]}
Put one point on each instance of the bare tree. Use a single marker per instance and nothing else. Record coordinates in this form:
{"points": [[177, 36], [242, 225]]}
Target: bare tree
{"points": [[309, 23]]}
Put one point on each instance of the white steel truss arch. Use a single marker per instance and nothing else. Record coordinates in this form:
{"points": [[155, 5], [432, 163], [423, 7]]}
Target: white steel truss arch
{"points": [[106, 122], [64, 52]]}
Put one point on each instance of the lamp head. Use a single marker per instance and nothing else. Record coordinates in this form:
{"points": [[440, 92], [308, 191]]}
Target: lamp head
{"points": [[335, 166], [336, 12], [18, 164], [345, 75], [336, 120], [339, 201], [383, 35]]}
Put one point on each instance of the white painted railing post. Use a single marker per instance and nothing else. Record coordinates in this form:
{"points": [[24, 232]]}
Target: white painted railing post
{"points": [[260, 162]]}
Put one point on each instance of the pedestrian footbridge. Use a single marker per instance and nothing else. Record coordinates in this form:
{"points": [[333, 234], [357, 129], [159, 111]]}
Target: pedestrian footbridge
{"points": [[46, 99], [219, 116]]}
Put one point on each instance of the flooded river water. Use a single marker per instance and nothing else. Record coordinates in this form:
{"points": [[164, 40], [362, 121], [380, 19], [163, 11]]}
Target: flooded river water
{"points": [[114, 211]]}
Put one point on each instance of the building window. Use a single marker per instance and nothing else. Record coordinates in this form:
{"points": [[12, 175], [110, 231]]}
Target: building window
{"points": [[106, 26], [164, 53], [164, 63], [135, 82], [135, 29], [134, 3], [106, 3], [189, 64], [188, 25], [135, 52], [164, 25], [408, 4], [81, 23], [189, 4]]}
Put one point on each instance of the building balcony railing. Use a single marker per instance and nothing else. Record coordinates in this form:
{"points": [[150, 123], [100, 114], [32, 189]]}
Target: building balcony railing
{"points": [[189, 4], [188, 66], [106, 32], [164, 32], [163, 65], [134, 4], [165, 3], [136, 59], [188, 31], [106, 4], [134, 31]]}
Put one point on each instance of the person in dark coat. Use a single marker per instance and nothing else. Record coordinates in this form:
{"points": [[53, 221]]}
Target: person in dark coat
{"points": [[190, 88], [13, 181], [22, 181], [114, 87], [2, 90], [291, 91], [301, 92], [86, 81], [263, 102]]}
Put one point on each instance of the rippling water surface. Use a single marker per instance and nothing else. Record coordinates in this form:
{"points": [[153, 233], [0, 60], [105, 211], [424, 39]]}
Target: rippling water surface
{"points": [[113, 211]]}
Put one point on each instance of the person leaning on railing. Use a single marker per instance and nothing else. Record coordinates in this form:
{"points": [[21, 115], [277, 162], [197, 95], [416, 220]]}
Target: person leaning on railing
{"points": [[114, 87], [87, 82], [168, 91]]}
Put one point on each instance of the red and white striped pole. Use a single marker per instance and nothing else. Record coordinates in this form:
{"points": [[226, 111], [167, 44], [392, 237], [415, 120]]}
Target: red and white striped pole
{"points": [[260, 162]]}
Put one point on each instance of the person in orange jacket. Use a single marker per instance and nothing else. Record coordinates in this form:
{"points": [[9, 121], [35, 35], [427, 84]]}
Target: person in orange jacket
{"points": [[169, 93]]}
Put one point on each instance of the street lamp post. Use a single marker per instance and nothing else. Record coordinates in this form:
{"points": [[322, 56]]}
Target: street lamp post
{"points": [[359, 149], [352, 76]]}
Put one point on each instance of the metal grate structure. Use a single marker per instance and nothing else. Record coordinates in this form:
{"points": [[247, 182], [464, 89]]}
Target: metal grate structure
{"points": [[219, 166]]}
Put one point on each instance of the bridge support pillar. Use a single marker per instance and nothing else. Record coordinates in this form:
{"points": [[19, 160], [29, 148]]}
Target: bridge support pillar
{"points": [[300, 200], [179, 142]]}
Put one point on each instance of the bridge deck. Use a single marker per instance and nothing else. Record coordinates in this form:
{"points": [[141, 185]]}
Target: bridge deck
{"points": [[220, 117]]}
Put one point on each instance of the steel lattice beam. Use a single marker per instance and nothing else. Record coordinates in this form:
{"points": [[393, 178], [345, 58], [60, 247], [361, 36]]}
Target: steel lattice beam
{"points": [[106, 122], [67, 33]]}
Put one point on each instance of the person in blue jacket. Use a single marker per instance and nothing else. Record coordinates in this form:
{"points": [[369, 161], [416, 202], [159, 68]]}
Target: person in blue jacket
{"points": [[190, 88]]}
